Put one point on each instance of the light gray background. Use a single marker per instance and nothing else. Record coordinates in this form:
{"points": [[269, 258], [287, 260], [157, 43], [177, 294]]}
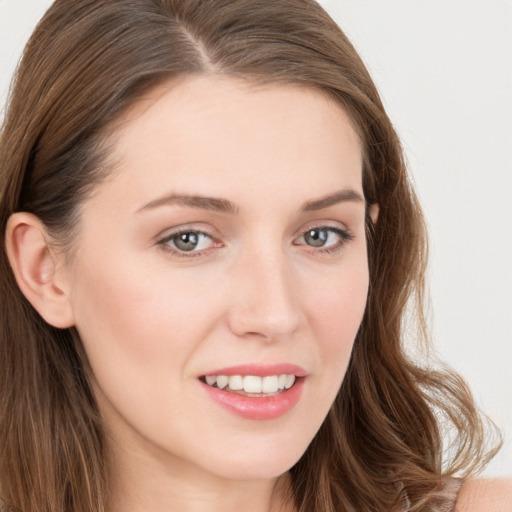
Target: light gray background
{"points": [[444, 69]]}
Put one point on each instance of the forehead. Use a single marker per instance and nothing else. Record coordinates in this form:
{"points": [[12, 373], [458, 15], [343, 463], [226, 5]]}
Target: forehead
{"points": [[222, 134]]}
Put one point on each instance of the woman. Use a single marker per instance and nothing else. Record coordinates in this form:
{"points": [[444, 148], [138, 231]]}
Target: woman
{"points": [[210, 242]]}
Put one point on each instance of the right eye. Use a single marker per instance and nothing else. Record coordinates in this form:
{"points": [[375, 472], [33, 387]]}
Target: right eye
{"points": [[187, 241]]}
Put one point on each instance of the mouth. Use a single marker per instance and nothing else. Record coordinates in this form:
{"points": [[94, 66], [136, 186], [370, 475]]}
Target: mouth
{"points": [[256, 392], [251, 385]]}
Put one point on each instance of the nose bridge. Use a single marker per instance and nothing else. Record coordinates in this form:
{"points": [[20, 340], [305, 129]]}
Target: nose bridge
{"points": [[263, 300]]}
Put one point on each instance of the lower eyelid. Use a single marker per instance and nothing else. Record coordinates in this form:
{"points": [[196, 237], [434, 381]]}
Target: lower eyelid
{"points": [[165, 242]]}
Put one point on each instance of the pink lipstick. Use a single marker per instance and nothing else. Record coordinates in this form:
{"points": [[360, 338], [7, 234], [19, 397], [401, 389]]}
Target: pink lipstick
{"points": [[256, 391]]}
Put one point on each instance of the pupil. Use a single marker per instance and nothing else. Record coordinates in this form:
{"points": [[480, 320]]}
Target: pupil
{"points": [[186, 241], [316, 237]]}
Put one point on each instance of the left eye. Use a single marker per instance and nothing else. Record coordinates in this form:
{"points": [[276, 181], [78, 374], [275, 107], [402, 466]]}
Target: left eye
{"points": [[324, 237], [188, 241]]}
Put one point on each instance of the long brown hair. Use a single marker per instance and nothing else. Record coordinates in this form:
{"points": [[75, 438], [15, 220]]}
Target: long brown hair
{"points": [[88, 61]]}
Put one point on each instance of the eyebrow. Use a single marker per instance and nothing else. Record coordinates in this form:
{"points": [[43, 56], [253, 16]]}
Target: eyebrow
{"points": [[343, 196], [193, 201], [226, 206]]}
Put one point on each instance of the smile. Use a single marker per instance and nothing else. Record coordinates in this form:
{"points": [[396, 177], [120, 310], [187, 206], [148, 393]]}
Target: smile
{"points": [[250, 385], [255, 391]]}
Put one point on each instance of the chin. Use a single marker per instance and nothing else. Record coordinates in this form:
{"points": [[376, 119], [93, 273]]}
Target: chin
{"points": [[263, 462], [253, 471]]}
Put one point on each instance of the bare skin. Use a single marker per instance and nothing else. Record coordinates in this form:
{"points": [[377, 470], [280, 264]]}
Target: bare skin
{"points": [[485, 495]]}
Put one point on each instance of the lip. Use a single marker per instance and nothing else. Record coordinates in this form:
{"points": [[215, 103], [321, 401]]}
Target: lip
{"points": [[257, 408], [260, 370]]}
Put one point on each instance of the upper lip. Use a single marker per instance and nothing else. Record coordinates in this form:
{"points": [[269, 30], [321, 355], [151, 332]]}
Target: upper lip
{"points": [[260, 370]]}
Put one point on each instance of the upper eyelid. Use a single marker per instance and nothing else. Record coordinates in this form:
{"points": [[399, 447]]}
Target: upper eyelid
{"points": [[339, 227], [212, 233], [167, 238], [345, 234], [335, 229], [170, 232], [181, 231], [206, 228], [323, 223], [164, 243]]}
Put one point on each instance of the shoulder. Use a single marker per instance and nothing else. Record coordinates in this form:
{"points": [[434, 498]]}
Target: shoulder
{"points": [[485, 495]]}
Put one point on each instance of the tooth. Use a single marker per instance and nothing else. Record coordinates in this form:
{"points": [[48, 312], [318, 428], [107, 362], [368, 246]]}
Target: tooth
{"points": [[290, 379], [211, 379], [281, 381], [270, 384], [222, 381], [236, 382], [252, 384]]}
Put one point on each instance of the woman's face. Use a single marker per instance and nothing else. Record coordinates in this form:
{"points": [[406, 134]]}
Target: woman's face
{"points": [[229, 242]]}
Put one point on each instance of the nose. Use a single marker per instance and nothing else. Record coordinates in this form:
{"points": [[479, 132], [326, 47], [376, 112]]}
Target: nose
{"points": [[264, 299]]}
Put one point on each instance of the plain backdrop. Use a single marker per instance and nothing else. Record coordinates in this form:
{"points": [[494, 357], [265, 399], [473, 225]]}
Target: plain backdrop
{"points": [[444, 70]]}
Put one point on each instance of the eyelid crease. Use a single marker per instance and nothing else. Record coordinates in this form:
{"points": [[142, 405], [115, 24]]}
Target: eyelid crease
{"points": [[188, 227], [179, 232], [344, 235], [163, 243]]}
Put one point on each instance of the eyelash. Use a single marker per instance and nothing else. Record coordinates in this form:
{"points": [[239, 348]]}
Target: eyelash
{"points": [[165, 243], [343, 234]]}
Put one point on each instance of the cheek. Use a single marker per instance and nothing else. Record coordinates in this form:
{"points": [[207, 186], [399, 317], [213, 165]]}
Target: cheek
{"points": [[335, 314], [127, 315], [139, 329]]}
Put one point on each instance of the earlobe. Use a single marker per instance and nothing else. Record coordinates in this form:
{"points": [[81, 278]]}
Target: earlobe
{"points": [[37, 269]]}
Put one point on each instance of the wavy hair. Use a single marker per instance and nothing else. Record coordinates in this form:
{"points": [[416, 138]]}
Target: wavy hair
{"points": [[85, 64]]}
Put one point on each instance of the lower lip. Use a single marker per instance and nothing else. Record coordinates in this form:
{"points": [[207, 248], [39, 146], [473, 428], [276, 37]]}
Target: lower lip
{"points": [[257, 408]]}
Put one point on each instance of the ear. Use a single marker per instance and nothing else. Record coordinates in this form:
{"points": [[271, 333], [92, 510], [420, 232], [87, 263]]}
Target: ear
{"points": [[373, 210], [39, 270]]}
